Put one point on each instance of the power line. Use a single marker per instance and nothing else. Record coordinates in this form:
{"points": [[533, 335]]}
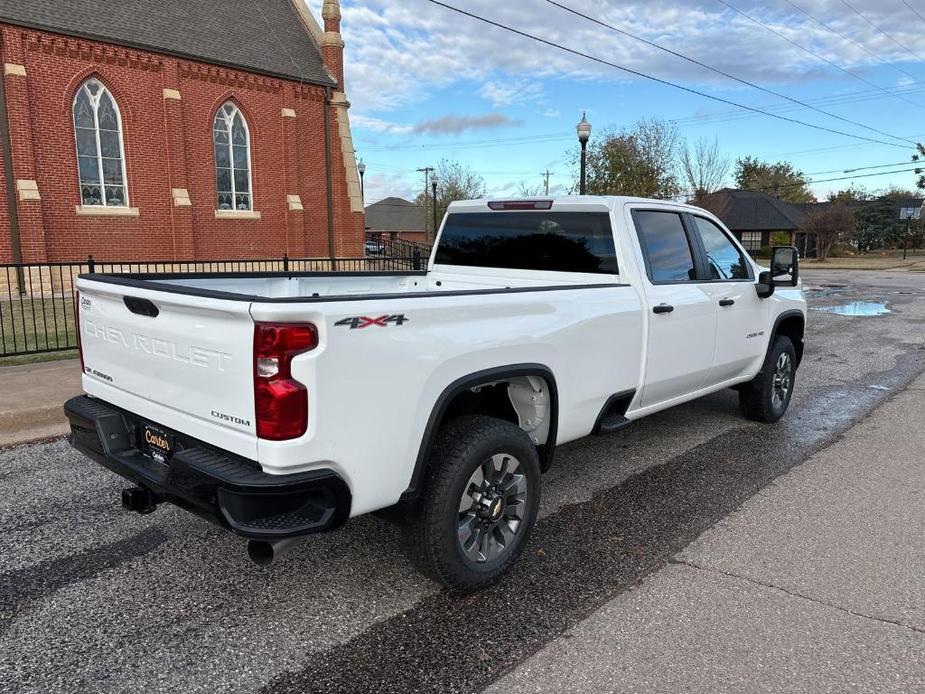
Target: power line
{"points": [[817, 150], [914, 10], [861, 46], [844, 178], [721, 117], [881, 31], [802, 48], [857, 168], [652, 78], [809, 182], [733, 115], [500, 140], [699, 63]]}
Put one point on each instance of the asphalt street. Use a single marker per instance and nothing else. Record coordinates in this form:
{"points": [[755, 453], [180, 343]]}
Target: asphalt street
{"points": [[94, 599]]}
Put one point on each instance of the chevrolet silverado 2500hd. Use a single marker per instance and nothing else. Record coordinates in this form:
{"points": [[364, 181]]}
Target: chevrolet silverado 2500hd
{"points": [[282, 404]]}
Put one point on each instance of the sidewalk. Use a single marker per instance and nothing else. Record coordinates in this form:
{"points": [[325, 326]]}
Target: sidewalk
{"points": [[816, 584], [31, 399]]}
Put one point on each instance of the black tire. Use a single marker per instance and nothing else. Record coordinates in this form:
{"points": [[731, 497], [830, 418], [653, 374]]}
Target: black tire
{"points": [[435, 527], [766, 397]]}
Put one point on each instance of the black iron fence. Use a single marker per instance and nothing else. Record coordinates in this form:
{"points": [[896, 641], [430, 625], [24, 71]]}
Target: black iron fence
{"points": [[37, 300]]}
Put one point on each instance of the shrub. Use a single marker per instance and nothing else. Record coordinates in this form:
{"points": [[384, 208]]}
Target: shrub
{"points": [[780, 238]]}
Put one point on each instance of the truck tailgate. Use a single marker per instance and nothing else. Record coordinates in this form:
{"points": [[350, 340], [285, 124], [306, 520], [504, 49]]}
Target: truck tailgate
{"points": [[181, 361]]}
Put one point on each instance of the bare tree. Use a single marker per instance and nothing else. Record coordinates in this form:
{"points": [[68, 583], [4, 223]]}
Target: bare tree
{"points": [[703, 167], [455, 182], [829, 225], [528, 191]]}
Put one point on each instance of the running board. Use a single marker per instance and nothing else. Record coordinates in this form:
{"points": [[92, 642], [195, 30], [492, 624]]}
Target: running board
{"points": [[612, 424], [613, 414]]}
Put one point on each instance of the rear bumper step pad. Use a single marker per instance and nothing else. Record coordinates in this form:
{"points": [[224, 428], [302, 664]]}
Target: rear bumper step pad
{"points": [[228, 490]]}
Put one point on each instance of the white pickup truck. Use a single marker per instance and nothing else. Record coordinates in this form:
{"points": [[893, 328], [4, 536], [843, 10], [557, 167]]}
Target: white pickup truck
{"points": [[282, 404]]}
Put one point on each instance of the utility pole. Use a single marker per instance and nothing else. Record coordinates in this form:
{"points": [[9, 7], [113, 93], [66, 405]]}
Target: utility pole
{"points": [[546, 176], [427, 171]]}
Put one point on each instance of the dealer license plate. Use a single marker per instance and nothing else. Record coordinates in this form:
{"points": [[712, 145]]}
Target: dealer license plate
{"points": [[156, 443]]}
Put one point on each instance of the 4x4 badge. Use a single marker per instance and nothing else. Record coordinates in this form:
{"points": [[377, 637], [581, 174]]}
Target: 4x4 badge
{"points": [[360, 322]]}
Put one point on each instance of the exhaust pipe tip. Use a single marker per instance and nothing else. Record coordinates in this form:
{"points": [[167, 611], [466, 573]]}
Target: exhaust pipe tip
{"points": [[267, 552]]}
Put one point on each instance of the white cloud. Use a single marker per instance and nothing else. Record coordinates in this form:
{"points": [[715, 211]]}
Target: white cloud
{"points": [[378, 125], [378, 186], [511, 92], [398, 51]]}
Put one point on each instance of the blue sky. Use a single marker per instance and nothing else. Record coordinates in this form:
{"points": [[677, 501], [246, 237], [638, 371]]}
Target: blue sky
{"points": [[428, 84]]}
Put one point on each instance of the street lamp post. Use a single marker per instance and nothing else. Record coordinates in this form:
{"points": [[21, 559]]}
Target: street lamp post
{"points": [[584, 134], [433, 184], [361, 167]]}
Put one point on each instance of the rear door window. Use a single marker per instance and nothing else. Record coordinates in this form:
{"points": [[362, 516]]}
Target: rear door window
{"points": [[553, 241], [665, 245]]}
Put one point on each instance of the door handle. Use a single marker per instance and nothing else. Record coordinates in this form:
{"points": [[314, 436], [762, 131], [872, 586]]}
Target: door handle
{"points": [[142, 307], [662, 308], [726, 302]]}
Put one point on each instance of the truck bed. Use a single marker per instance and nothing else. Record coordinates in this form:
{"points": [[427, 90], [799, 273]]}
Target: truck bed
{"points": [[308, 287]]}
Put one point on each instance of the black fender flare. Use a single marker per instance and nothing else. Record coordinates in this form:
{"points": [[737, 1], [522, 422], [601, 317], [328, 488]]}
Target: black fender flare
{"points": [[460, 385], [791, 313]]}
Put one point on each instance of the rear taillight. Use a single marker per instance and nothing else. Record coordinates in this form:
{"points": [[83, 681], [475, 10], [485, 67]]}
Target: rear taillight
{"points": [[80, 347], [281, 403]]}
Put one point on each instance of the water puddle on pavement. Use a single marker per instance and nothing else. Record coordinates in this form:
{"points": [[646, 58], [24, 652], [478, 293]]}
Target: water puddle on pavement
{"points": [[856, 308]]}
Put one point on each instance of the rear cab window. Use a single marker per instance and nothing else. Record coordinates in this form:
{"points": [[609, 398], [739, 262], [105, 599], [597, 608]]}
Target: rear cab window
{"points": [[533, 240], [665, 245]]}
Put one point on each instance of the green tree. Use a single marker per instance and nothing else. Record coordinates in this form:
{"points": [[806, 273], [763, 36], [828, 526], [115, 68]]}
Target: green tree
{"points": [[641, 161], [779, 179], [852, 195], [919, 154], [876, 224], [894, 192]]}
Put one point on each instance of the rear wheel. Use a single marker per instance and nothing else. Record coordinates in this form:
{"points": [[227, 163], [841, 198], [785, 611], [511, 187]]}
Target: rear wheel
{"points": [[479, 503], [766, 397]]}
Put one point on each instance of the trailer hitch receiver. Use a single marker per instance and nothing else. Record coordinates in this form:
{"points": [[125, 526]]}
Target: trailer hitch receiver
{"points": [[139, 500]]}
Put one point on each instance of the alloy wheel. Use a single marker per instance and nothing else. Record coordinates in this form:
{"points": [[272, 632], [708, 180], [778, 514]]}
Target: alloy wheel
{"points": [[783, 379], [492, 508]]}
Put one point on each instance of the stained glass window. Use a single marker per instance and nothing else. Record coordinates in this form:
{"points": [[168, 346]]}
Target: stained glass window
{"points": [[100, 151], [231, 140]]}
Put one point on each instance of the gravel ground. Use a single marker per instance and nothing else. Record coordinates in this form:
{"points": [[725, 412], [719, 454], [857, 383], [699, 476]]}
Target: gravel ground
{"points": [[97, 600]]}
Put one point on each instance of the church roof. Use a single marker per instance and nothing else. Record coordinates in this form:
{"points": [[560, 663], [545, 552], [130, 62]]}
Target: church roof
{"points": [[263, 36]]}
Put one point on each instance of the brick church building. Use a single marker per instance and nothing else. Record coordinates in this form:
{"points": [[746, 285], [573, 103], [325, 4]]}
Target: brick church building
{"points": [[175, 130]]}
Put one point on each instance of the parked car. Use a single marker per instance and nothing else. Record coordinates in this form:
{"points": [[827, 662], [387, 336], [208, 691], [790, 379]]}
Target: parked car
{"points": [[281, 404], [374, 247]]}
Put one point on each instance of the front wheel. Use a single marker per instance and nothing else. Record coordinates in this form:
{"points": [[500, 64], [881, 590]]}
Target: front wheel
{"points": [[479, 502], [766, 397]]}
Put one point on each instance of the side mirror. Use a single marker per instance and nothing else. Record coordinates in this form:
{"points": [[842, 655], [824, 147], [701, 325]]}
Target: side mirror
{"points": [[785, 266], [765, 286]]}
